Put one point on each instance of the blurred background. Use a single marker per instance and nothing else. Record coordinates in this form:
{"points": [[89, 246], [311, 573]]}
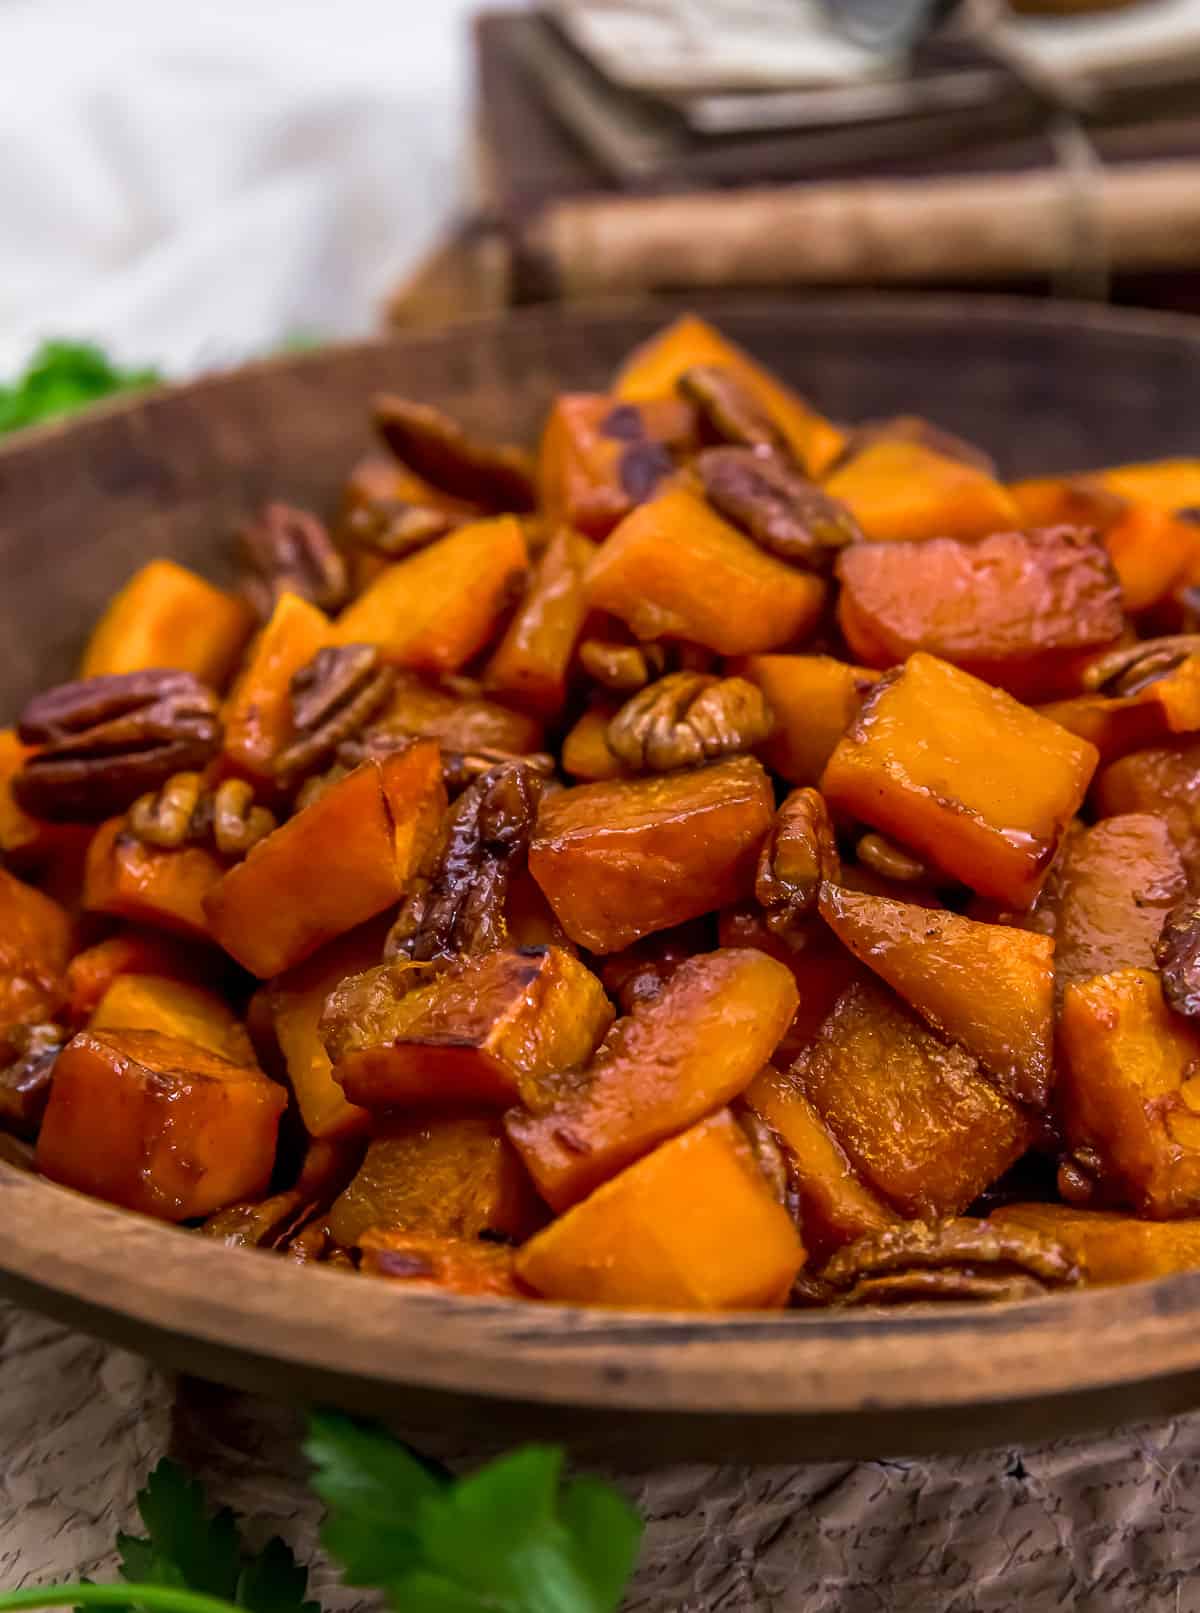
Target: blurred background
{"points": [[188, 186]]}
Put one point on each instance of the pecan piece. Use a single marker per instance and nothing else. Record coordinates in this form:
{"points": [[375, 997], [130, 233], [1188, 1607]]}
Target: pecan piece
{"points": [[285, 550], [25, 1082], [889, 860], [1134, 667], [184, 813], [624, 667], [394, 527], [107, 740], [458, 907], [1177, 953], [954, 1259], [268, 1224], [333, 697], [772, 502], [687, 718], [496, 475], [798, 854], [730, 410]]}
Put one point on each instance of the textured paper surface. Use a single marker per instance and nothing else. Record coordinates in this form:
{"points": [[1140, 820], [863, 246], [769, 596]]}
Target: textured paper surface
{"points": [[1108, 1525]]}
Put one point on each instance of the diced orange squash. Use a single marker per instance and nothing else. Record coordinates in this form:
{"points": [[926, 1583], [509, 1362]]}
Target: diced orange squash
{"points": [[148, 885], [337, 863], [814, 699], [653, 370], [166, 616], [529, 917], [1128, 1090], [1113, 887], [452, 1265], [22, 838], [190, 1013], [462, 723], [438, 608], [898, 489], [691, 1226], [1012, 608], [1114, 724], [129, 952], [620, 859], [487, 1029], [35, 940], [918, 1120], [258, 713], [836, 1204], [1110, 1246], [446, 1173], [529, 666], [1168, 484], [680, 1056], [586, 753], [988, 987], [600, 456], [297, 1001], [158, 1125], [675, 569], [975, 783], [1164, 780]]}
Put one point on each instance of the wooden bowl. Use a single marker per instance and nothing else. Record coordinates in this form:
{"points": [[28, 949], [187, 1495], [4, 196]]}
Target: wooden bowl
{"points": [[81, 504]]}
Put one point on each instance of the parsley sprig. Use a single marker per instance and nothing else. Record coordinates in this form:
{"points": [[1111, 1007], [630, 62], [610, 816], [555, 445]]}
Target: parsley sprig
{"points": [[512, 1537], [63, 377]]}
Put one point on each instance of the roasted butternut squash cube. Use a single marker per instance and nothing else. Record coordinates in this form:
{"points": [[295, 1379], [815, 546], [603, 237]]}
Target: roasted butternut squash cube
{"points": [[988, 987], [258, 713], [899, 490], [23, 839], [918, 1120], [1164, 780], [675, 569], [486, 1029], [692, 1226], [1013, 608], [599, 456], [977, 784], [453, 1265], [189, 1013], [129, 952], [166, 616], [1114, 724], [620, 859], [691, 1049], [836, 1204], [529, 666], [1110, 1246], [1128, 1090], [814, 699], [1168, 484], [158, 1125], [147, 884], [438, 608], [336, 864], [448, 1173], [586, 753], [654, 369], [35, 940]]}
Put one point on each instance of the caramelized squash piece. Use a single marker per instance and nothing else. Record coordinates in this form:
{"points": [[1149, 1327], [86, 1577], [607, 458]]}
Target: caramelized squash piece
{"points": [[919, 1121], [23, 839], [836, 1205], [1128, 1091], [586, 753], [692, 1226], [437, 609], [129, 952], [975, 783], [148, 885], [453, 1265], [258, 713], [600, 456], [486, 1029], [1111, 1247], [898, 490], [1164, 780], [35, 939], [1012, 608], [820, 965], [158, 1125], [461, 723], [814, 699], [675, 569], [620, 859], [695, 1046], [352, 853], [189, 1013], [446, 1173], [166, 616], [653, 371], [1168, 484], [988, 987], [1113, 887], [530, 664]]}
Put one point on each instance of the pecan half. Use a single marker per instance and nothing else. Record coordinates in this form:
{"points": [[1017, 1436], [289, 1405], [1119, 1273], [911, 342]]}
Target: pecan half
{"points": [[496, 475], [284, 550], [25, 1082], [768, 1154], [184, 813], [889, 860], [687, 718], [729, 409], [955, 1259], [394, 528], [269, 1224], [772, 502], [458, 907], [1134, 667], [913, 428], [1177, 953], [799, 853], [624, 667], [107, 740], [333, 697]]}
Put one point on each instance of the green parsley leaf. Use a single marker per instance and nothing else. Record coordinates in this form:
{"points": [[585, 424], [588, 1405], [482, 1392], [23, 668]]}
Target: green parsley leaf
{"points": [[186, 1545], [62, 377], [274, 1582]]}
